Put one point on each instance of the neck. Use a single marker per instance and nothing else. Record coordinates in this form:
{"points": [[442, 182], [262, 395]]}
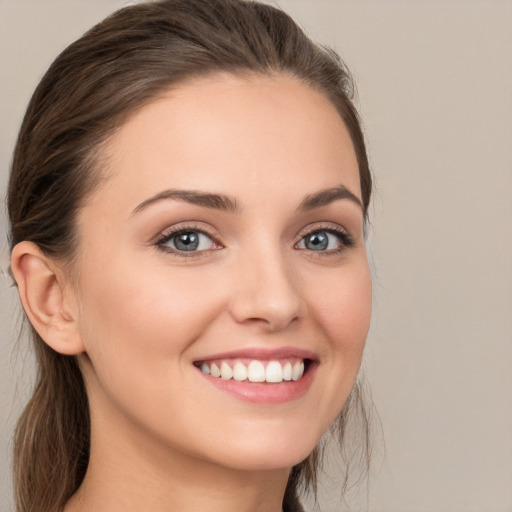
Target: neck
{"points": [[132, 491], [129, 474]]}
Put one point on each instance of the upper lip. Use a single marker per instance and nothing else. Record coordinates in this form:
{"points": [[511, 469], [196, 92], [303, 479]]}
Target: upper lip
{"points": [[263, 354]]}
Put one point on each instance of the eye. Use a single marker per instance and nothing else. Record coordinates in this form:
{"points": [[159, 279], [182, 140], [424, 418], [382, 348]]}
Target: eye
{"points": [[325, 240], [186, 241]]}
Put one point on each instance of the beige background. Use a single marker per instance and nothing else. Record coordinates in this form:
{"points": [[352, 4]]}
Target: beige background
{"points": [[435, 88]]}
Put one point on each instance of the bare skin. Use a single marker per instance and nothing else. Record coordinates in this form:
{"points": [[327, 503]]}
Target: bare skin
{"points": [[267, 271]]}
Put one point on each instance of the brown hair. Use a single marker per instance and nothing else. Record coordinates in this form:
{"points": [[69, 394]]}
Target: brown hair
{"points": [[91, 88]]}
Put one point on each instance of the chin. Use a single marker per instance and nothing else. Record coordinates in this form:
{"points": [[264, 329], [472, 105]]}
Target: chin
{"points": [[276, 450], [265, 460]]}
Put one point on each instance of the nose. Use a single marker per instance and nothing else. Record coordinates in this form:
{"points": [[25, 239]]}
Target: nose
{"points": [[266, 292]]}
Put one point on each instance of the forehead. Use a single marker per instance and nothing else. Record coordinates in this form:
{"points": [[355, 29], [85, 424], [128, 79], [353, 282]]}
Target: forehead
{"points": [[236, 133]]}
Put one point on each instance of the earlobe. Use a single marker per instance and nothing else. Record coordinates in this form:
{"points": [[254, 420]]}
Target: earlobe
{"points": [[42, 293]]}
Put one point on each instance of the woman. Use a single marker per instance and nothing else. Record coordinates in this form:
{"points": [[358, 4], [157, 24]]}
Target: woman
{"points": [[187, 200]]}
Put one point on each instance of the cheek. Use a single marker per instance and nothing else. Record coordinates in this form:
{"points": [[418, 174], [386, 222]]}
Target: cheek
{"points": [[137, 329], [339, 308], [154, 300], [343, 311], [142, 322]]}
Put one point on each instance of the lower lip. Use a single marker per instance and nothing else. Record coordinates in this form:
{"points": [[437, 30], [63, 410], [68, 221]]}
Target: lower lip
{"points": [[265, 392]]}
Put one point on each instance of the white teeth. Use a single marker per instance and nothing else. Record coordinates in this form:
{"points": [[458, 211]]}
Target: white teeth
{"points": [[298, 370], [239, 372], [214, 370], [256, 372], [274, 372], [287, 371], [225, 371]]}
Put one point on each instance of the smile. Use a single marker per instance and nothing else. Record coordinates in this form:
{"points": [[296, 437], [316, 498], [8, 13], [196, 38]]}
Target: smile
{"points": [[259, 375], [273, 371]]}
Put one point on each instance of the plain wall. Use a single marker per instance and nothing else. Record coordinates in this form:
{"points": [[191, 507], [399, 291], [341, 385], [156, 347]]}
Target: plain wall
{"points": [[435, 90]]}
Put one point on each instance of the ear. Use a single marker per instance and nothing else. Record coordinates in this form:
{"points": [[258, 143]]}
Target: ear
{"points": [[42, 289]]}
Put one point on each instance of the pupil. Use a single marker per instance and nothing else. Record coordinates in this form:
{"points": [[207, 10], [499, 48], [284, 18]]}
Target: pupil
{"points": [[317, 241], [187, 241]]}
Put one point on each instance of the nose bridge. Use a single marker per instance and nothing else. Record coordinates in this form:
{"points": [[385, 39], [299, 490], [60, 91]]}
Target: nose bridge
{"points": [[267, 288]]}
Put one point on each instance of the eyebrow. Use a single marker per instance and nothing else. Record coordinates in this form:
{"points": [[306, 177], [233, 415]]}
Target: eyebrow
{"points": [[226, 203], [207, 200], [327, 196]]}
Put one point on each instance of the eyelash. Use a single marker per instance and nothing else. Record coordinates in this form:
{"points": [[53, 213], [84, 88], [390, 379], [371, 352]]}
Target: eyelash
{"points": [[174, 232], [346, 240]]}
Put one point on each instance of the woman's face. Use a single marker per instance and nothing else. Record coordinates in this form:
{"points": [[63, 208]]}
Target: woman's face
{"points": [[227, 238]]}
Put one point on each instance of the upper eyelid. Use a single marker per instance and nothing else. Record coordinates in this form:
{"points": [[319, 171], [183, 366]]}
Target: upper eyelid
{"points": [[183, 228], [322, 226], [194, 226]]}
